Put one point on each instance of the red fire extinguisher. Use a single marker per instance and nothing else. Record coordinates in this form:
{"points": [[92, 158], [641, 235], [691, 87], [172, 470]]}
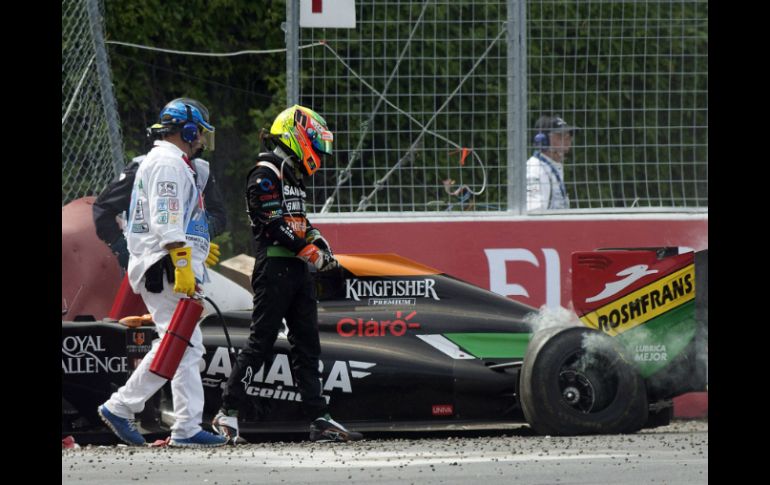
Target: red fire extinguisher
{"points": [[177, 337], [126, 302]]}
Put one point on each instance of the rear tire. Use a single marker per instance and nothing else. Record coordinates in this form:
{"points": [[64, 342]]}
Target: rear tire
{"points": [[569, 389]]}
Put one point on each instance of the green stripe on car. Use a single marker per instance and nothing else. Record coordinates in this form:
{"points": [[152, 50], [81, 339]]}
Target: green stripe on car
{"points": [[492, 345]]}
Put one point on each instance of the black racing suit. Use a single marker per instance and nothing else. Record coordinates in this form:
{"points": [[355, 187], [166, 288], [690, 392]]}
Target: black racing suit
{"points": [[283, 287], [116, 197]]}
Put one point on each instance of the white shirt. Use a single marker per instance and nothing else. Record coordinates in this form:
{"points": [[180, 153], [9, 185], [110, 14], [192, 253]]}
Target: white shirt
{"points": [[545, 184], [166, 207]]}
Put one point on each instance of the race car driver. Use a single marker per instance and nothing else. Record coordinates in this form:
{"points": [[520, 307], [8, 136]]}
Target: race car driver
{"points": [[287, 247]]}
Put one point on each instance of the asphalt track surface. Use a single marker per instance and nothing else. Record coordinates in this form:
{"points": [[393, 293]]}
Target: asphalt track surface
{"points": [[674, 454]]}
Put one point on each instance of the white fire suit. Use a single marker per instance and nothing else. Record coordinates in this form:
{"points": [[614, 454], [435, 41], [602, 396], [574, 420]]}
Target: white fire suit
{"points": [[166, 207]]}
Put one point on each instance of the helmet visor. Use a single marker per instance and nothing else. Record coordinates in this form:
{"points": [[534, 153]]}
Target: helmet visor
{"points": [[321, 138], [207, 138], [324, 147]]}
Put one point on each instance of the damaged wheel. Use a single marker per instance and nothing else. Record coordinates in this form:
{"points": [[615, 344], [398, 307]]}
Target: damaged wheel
{"points": [[576, 380]]}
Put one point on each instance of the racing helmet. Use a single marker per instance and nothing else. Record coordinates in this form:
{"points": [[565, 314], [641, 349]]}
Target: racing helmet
{"points": [[190, 117], [305, 134]]}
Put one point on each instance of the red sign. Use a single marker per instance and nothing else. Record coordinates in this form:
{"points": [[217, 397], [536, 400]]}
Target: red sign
{"points": [[600, 277], [443, 410], [139, 338], [525, 259], [350, 327]]}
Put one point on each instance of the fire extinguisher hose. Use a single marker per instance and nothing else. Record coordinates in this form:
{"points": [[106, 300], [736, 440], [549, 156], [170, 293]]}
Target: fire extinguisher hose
{"points": [[230, 348]]}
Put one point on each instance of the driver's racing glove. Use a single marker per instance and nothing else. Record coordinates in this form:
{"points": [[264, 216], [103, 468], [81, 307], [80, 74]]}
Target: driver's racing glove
{"points": [[314, 236], [321, 259]]}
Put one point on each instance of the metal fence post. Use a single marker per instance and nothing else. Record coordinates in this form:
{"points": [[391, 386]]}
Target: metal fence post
{"points": [[517, 105], [105, 85], [292, 52]]}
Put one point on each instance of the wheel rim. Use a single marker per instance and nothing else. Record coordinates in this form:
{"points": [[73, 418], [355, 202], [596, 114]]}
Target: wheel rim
{"points": [[588, 384], [576, 390]]}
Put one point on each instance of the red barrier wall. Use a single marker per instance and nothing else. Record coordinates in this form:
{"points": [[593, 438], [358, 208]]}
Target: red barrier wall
{"points": [[527, 260]]}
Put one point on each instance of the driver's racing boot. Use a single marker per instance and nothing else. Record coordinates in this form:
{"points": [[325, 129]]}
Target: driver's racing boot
{"points": [[325, 429], [225, 423]]}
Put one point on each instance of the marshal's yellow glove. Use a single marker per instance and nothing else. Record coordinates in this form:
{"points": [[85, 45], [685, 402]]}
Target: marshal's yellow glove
{"points": [[184, 278], [213, 257]]}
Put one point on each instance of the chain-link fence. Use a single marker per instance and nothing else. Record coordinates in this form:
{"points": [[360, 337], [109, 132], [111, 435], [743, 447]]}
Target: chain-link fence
{"points": [[423, 100], [92, 151], [416, 95], [633, 76], [433, 103]]}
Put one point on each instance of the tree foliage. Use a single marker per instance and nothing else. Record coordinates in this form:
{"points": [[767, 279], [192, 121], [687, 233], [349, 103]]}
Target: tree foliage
{"points": [[577, 65], [636, 73], [243, 93]]}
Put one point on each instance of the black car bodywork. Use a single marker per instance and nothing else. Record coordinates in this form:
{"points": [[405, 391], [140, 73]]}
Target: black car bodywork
{"points": [[403, 347]]}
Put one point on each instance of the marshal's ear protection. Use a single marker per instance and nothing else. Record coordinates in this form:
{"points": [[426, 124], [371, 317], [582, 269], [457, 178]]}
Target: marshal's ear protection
{"points": [[190, 129], [541, 140]]}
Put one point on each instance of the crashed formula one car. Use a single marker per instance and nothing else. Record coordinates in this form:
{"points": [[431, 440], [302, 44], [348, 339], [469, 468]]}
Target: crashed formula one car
{"points": [[407, 347]]}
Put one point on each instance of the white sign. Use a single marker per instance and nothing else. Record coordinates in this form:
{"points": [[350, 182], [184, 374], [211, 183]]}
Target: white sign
{"points": [[339, 14], [498, 276], [86, 354]]}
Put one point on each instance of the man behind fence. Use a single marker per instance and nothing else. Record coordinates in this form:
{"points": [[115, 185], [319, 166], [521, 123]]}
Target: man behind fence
{"points": [[545, 172]]}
